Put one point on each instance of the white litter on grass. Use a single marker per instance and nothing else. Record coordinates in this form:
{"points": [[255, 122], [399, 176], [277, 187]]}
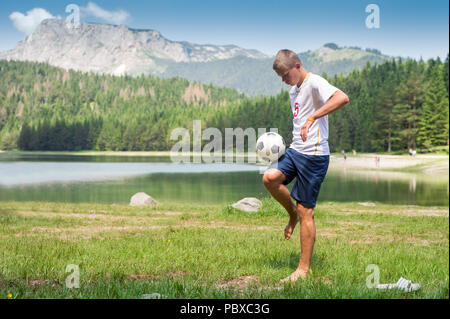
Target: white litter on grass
{"points": [[153, 296], [402, 284]]}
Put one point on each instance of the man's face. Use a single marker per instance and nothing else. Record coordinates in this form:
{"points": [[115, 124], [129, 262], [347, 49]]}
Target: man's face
{"points": [[290, 76]]}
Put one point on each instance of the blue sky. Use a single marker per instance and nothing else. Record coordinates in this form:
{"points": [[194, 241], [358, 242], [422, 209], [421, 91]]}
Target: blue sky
{"points": [[407, 28]]}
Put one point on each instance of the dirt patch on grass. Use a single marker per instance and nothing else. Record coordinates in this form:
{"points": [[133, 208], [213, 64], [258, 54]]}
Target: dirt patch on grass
{"points": [[240, 282], [348, 234], [108, 217], [326, 234], [105, 226], [373, 239], [244, 227], [89, 232], [424, 212], [171, 213], [145, 277], [322, 279], [407, 211], [153, 277], [3, 283], [131, 226], [32, 282], [356, 223], [41, 282]]}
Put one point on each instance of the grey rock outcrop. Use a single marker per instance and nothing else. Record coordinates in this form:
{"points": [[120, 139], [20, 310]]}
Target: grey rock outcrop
{"points": [[248, 204], [142, 199]]}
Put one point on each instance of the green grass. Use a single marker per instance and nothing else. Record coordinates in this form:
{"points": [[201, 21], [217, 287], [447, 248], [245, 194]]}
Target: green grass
{"points": [[215, 251]]}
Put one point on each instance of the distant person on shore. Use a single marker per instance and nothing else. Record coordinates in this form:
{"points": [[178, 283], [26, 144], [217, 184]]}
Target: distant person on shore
{"points": [[354, 152], [312, 99], [377, 161], [412, 152], [343, 154]]}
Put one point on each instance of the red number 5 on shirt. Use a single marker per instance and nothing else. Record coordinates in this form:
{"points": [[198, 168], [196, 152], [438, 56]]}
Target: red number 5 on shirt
{"points": [[296, 109]]}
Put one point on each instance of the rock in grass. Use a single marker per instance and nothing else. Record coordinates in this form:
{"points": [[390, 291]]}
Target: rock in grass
{"points": [[142, 199], [367, 204], [248, 204]]}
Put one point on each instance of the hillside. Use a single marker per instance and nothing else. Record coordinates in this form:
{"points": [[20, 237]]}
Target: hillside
{"points": [[70, 109], [393, 106], [256, 77]]}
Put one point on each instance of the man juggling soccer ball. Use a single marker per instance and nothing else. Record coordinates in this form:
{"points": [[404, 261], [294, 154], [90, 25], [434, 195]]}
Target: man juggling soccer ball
{"points": [[312, 99]]}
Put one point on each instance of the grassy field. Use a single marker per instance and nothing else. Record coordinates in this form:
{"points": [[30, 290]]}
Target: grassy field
{"points": [[182, 251]]}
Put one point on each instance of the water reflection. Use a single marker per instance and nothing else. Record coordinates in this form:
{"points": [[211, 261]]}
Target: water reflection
{"points": [[412, 184], [388, 187], [115, 179], [23, 173]]}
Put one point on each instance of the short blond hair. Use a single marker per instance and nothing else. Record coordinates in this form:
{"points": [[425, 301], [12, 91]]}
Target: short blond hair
{"points": [[285, 59]]}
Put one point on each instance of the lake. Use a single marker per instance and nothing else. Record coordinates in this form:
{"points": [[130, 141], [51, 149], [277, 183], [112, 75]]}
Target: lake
{"points": [[114, 179]]}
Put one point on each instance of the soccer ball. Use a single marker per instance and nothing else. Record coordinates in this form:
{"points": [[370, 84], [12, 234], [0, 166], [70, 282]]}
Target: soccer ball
{"points": [[270, 146]]}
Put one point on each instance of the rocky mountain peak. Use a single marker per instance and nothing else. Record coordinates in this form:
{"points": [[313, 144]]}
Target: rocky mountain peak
{"points": [[112, 48]]}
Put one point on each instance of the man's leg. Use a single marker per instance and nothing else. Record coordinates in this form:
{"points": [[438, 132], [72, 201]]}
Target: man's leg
{"points": [[273, 180], [307, 239]]}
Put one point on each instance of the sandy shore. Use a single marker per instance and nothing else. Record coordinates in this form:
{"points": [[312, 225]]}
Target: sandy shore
{"points": [[428, 164]]}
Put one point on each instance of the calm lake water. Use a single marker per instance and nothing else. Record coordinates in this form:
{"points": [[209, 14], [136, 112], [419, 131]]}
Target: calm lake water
{"points": [[114, 179]]}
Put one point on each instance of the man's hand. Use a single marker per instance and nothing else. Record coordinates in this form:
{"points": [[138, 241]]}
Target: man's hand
{"points": [[304, 130]]}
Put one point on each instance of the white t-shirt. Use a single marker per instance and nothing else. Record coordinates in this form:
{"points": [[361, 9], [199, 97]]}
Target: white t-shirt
{"points": [[313, 93]]}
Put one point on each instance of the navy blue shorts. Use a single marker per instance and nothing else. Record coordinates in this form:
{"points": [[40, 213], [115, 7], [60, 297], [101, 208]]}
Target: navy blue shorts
{"points": [[310, 171]]}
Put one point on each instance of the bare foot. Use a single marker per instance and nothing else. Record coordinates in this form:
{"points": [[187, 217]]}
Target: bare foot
{"points": [[299, 273], [290, 227]]}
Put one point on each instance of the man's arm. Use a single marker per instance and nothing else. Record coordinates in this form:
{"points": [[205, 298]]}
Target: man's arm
{"points": [[335, 102]]}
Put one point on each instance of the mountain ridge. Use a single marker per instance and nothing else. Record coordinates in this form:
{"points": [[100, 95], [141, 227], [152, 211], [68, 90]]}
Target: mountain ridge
{"points": [[119, 50]]}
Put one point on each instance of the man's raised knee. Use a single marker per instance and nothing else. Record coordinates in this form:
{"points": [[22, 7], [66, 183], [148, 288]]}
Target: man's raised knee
{"points": [[272, 177]]}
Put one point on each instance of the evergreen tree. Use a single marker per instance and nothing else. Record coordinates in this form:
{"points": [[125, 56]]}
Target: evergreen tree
{"points": [[433, 124], [47, 108], [25, 137]]}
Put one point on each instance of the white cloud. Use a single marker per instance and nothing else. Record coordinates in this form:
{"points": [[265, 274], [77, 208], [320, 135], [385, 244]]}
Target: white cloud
{"points": [[27, 23], [113, 17]]}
